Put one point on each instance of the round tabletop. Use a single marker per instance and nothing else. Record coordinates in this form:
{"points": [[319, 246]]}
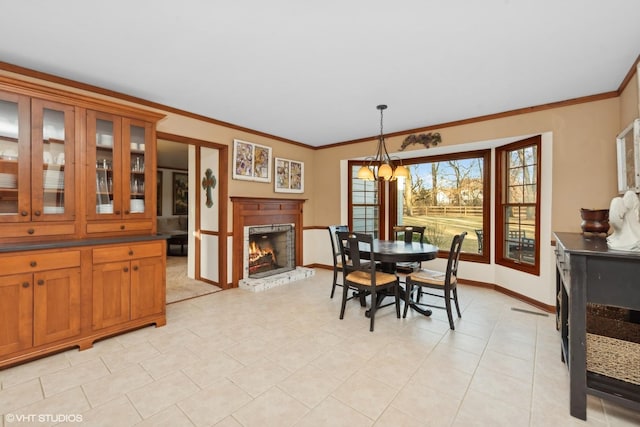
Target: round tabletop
{"points": [[393, 251]]}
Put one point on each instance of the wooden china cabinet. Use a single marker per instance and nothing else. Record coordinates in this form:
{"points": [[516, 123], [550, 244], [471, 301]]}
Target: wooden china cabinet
{"points": [[77, 194]]}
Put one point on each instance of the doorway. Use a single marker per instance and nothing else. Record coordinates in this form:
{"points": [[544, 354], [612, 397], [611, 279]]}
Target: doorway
{"points": [[180, 203]]}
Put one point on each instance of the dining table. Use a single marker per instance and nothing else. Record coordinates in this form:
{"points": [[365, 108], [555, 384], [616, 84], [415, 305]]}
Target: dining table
{"points": [[391, 252]]}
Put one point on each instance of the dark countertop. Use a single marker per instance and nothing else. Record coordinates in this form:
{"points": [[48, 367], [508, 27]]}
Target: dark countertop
{"points": [[590, 245], [16, 247]]}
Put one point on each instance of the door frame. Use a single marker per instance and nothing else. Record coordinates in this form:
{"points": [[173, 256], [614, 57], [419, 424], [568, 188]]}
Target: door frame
{"points": [[223, 192]]}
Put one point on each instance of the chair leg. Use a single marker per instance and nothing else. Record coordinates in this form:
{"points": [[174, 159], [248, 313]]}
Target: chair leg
{"points": [[345, 291], [455, 299], [407, 298], [335, 282], [396, 288], [447, 302], [372, 311]]}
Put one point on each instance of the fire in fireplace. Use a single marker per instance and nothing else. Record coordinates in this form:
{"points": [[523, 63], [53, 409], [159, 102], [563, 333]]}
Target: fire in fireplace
{"points": [[270, 249]]}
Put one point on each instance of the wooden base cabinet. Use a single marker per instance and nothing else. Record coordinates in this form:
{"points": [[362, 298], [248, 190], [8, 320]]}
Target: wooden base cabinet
{"points": [[128, 283], [52, 300], [39, 307]]}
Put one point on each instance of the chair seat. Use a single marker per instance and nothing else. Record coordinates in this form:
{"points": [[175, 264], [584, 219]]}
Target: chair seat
{"points": [[431, 277], [364, 278]]}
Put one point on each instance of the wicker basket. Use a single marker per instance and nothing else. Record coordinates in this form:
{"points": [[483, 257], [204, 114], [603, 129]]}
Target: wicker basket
{"points": [[612, 322], [613, 358]]}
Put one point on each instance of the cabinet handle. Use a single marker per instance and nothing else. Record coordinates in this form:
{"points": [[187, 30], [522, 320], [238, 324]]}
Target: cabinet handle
{"points": [[37, 213], [126, 269], [130, 252], [117, 212], [135, 268], [126, 212], [33, 263], [122, 227], [24, 213], [25, 285], [40, 282], [31, 231]]}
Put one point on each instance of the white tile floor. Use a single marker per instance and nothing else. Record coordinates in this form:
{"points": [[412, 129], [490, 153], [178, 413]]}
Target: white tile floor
{"points": [[283, 358]]}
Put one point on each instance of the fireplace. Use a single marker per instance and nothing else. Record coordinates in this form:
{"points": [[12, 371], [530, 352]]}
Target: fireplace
{"points": [[269, 250]]}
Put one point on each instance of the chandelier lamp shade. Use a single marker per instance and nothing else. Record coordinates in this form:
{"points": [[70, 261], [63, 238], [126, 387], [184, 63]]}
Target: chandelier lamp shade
{"points": [[381, 166]]}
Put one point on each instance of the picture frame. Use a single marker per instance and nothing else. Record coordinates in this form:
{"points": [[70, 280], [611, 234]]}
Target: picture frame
{"points": [[628, 157], [251, 162], [180, 193], [159, 194], [289, 176]]}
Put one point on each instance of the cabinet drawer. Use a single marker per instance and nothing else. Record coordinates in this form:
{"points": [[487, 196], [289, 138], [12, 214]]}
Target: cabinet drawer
{"points": [[126, 252], [119, 226], [37, 230], [35, 261]]}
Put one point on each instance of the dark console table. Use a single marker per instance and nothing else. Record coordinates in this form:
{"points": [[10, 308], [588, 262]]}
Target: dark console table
{"points": [[588, 272]]}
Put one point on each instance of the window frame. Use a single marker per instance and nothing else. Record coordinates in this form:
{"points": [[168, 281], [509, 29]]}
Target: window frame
{"points": [[381, 199], [501, 203], [485, 257]]}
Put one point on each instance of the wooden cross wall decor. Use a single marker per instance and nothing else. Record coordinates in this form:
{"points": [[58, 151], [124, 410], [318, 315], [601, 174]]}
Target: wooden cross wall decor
{"points": [[209, 183]]}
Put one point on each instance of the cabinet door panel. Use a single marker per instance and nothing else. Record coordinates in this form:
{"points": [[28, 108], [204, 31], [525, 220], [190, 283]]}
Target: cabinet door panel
{"points": [[104, 160], [147, 287], [56, 305], [138, 188], [15, 158], [111, 294], [53, 161], [16, 313]]}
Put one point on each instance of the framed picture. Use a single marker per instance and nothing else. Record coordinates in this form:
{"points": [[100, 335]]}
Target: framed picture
{"points": [[628, 150], [180, 193], [251, 162], [159, 194], [289, 176]]}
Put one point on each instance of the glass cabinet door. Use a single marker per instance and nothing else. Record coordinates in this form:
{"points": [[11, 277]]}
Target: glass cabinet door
{"points": [[103, 166], [136, 190], [52, 155], [15, 200]]}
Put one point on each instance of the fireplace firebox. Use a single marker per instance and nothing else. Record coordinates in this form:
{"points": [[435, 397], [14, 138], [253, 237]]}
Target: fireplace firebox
{"points": [[269, 249]]}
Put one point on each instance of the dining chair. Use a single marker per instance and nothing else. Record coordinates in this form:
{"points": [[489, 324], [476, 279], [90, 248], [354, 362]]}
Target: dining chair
{"points": [[446, 282], [408, 234], [337, 261], [362, 273]]}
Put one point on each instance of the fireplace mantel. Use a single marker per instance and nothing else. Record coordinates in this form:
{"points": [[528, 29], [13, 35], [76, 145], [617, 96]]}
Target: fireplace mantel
{"points": [[249, 211]]}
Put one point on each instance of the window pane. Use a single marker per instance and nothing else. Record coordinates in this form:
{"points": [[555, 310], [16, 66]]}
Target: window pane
{"points": [[446, 196], [364, 200], [519, 244]]}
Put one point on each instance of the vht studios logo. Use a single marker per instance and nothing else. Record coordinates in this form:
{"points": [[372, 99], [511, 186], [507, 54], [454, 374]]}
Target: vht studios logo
{"points": [[43, 418]]}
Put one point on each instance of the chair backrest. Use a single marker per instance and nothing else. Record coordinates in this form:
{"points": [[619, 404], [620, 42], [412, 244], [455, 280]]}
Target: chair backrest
{"points": [[347, 241], [409, 231], [454, 256], [334, 243]]}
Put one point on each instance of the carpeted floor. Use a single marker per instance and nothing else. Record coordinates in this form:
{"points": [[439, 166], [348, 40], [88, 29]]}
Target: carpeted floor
{"points": [[179, 286]]}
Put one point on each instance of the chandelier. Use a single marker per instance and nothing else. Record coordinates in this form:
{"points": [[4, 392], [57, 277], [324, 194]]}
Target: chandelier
{"points": [[381, 166]]}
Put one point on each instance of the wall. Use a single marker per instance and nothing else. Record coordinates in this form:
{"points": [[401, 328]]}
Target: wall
{"points": [[582, 168], [167, 191]]}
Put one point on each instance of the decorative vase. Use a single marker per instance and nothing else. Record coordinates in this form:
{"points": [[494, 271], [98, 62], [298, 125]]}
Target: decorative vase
{"points": [[594, 220]]}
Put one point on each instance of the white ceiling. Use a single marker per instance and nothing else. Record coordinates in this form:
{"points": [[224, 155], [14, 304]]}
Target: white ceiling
{"points": [[314, 71]]}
